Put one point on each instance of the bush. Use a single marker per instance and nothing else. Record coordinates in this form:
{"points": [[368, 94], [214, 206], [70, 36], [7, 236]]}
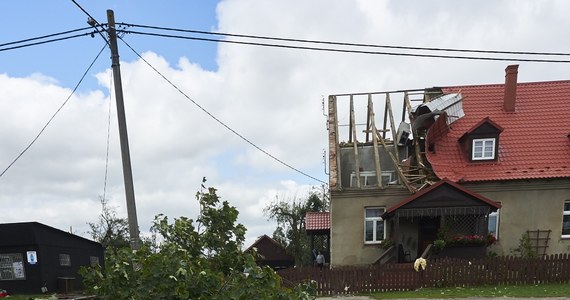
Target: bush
{"points": [[194, 262]]}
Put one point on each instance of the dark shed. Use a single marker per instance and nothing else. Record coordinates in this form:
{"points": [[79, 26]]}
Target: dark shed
{"points": [[271, 253], [34, 255]]}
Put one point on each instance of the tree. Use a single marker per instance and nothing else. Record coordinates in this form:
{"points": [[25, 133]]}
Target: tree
{"points": [[110, 230], [290, 217], [199, 259]]}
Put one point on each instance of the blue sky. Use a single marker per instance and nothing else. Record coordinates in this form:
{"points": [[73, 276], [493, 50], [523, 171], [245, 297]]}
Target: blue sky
{"points": [[67, 60], [271, 96]]}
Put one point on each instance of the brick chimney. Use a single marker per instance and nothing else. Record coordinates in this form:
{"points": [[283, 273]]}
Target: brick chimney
{"points": [[510, 87]]}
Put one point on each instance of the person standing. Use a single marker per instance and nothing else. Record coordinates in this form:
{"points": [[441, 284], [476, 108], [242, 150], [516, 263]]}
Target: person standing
{"points": [[320, 260]]}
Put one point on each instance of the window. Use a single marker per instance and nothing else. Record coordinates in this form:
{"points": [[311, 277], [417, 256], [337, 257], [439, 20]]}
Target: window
{"points": [[12, 266], [566, 220], [94, 260], [368, 178], [483, 149], [374, 228], [64, 260], [493, 226]]}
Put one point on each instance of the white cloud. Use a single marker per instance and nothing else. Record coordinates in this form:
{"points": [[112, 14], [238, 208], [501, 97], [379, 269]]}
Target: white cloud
{"points": [[271, 96]]}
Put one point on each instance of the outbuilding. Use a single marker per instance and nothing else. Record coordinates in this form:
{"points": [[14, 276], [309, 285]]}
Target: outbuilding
{"points": [[35, 257]]}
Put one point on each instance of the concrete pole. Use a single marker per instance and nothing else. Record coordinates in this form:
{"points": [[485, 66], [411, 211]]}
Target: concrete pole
{"points": [[127, 172]]}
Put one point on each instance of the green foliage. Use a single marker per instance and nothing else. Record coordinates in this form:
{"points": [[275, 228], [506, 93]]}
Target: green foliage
{"points": [[110, 230], [196, 260], [438, 245], [290, 217], [525, 248]]}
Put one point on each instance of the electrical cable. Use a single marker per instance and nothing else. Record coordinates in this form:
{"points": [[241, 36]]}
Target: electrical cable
{"points": [[92, 21], [44, 36], [44, 42], [56, 112], [348, 50], [108, 140], [346, 44], [218, 120]]}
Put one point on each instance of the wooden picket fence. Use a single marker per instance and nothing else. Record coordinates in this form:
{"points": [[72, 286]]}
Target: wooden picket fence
{"points": [[443, 272]]}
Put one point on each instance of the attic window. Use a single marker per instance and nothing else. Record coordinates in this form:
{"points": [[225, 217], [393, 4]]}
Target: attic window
{"points": [[483, 149], [368, 178]]}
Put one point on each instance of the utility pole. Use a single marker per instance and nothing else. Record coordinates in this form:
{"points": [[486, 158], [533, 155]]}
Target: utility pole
{"points": [[127, 172]]}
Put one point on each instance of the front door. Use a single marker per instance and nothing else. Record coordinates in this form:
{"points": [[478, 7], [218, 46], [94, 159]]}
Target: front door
{"points": [[427, 232]]}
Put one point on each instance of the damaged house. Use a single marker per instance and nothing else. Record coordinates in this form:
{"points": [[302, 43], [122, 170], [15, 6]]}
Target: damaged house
{"points": [[488, 164]]}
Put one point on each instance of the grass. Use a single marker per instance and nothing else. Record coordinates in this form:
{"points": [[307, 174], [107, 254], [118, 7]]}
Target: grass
{"points": [[27, 297], [521, 291]]}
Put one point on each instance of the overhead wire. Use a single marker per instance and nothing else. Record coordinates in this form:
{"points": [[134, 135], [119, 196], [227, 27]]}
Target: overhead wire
{"points": [[45, 36], [41, 42], [345, 50], [344, 43], [55, 114], [108, 140], [92, 21], [217, 119]]}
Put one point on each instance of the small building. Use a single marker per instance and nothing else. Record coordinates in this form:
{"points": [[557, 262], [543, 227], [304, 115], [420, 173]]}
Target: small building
{"points": [[318, 228], [35, 257], [271, 253]]}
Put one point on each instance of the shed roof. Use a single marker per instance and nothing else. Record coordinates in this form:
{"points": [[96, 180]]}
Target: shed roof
{"points": [[534, 143], [35, 233], [317, 221]]}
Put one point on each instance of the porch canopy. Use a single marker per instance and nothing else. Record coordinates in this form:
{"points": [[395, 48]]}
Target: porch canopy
{"points": [[444, 198]]}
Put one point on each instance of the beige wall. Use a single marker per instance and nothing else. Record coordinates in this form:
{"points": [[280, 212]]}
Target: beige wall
{"points": [[526, 206], [347, 218]]}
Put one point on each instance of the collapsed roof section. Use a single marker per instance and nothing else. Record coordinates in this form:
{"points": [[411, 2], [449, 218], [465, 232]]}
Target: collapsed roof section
{"points": [[507, 131], [367, 150]]}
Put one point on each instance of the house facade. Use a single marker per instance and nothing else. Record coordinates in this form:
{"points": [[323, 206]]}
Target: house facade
{"points": [[36, 258], [449, 163]]}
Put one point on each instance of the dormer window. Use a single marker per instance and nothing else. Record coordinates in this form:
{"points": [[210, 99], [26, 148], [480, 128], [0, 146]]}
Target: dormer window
{"points": [[483, 149], [481, 142]]}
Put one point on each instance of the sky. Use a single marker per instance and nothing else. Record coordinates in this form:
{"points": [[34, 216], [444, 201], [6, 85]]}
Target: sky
{"points": [[273, 97]]}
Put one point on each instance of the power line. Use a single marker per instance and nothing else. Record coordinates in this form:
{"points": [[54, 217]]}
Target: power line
{"points": [[44, 36], [56, 112], [345, 43], [218, 120], [92, 21], [348, 50], [42, 42], [108, 139]]}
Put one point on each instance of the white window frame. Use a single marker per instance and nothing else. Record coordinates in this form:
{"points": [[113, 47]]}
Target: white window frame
{"points": [[495, 214], [376, 238], [480, 150], [65, 260], [565, 213], [365, 178]]}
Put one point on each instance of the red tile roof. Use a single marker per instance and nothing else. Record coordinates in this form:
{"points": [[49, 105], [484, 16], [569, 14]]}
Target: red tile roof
{"points": [[534, 142], [317, 221]]}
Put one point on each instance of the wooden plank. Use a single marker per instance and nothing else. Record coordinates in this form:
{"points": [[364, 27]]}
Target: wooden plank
{"points": [[398, 169], [368, 125], [377, 165], [355, 145], [392, 126]]}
